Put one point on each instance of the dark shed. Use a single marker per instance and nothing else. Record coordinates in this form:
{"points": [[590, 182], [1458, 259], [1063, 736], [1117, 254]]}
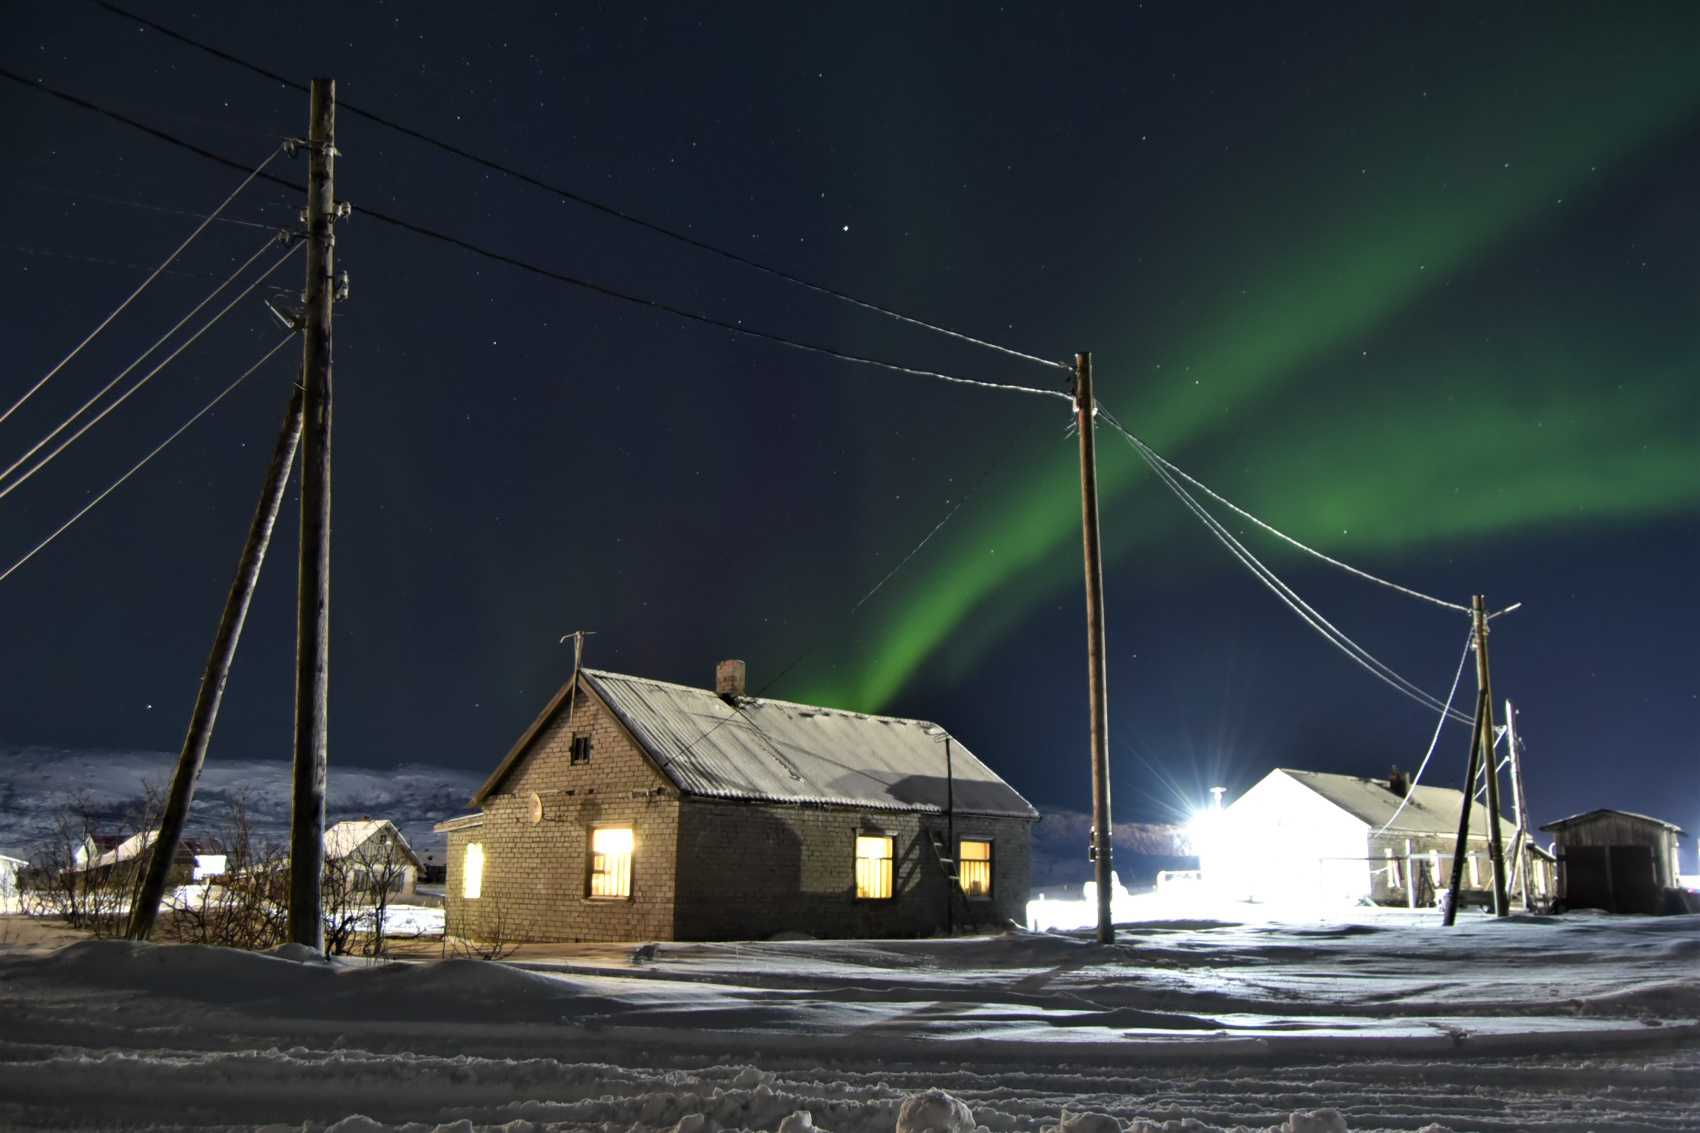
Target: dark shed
{"points": [[1615, 860]]}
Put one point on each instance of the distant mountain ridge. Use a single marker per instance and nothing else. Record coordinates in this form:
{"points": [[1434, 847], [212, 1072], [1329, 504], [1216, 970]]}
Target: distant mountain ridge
{"points": [[36, 783]]}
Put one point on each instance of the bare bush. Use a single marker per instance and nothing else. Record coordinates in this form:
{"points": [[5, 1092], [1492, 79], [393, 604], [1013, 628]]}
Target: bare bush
{"points": [[86, 875], [358, 888], [244, 907], [490, 936]]}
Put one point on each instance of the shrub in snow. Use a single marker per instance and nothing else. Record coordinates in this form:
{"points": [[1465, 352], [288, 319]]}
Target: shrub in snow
{"points": [[801, 1121], [934, 1112], [691, 1123], [1319, 1121], [1173, 1125]]}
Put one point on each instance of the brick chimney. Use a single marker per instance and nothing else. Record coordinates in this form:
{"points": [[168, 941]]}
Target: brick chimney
{"points": [[1398, 782], [729, 678]]}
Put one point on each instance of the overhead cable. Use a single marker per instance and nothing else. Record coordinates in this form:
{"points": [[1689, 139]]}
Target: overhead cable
{"points": [[1307, 550], [144, 284], [144, 379], [578, 198], [1281, 590], [36, 185], [1469, 643], [524, 265], [205, 409], [707, 320]]}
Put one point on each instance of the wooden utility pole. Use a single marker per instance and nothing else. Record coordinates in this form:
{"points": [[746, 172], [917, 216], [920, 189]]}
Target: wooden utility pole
{"points": [[1482, 761], [1519, 803], [146, 905], [1086, 412], [312, 643]]}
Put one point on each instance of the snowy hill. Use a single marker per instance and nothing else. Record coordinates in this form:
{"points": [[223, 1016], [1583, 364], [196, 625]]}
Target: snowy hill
{"points": [[36, 784]]}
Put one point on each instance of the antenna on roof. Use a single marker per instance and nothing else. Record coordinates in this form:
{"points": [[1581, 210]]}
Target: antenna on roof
{"points": [[578, 636]]}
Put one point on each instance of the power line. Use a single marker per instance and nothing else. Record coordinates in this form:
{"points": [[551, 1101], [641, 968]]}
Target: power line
{"points": [[129, 204], [1152, 454], [145, 378], [105, 263], [524, 265], [138, 466], [578, 198], [144, 284], [707, 320], [1469, 642], [1286, 593]]}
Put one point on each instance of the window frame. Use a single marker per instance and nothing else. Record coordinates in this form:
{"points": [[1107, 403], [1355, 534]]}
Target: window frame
{"points": [[889, 873], [578, 752], [472, 881], [591, 873], [991, 869]]}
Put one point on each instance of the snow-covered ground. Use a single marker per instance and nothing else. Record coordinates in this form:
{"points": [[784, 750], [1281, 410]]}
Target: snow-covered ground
{"points": [[1579, 1023]]}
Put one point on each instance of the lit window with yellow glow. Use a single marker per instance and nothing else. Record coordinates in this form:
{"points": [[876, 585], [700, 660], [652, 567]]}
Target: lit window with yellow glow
{"points": [[472, 876], [873, 865], [974, 867], [611, 862]]}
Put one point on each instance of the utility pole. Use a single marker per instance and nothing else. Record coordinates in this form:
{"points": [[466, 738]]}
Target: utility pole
{"points": [[145, 908], [1086, 414], [312, 642], [1519, 802], [1481, 762]]}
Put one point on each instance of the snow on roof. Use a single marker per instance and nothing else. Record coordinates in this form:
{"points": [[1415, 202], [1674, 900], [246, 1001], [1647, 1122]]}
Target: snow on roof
{"points": [[1431, 810], [346, 838], [777, 751], [784, 752]]}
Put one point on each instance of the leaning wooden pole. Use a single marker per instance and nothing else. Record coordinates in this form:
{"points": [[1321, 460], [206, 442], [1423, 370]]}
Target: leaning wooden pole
{"points": [[312, 644], [1461, 849], [1086, 410], [146, 906], [1490, 761], [1520, 804]]}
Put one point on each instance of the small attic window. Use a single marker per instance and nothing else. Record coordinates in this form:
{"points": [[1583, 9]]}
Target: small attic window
{"points": [[581, 749]]}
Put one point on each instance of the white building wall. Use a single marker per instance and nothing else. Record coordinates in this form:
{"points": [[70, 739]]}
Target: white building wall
{"points": [[1282, 842]]}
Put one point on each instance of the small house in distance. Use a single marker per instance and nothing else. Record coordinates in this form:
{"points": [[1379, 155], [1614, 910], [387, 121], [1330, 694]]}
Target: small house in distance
{"points": [[1616, 861], [1307, 836], [635, 809], [374, 851]]}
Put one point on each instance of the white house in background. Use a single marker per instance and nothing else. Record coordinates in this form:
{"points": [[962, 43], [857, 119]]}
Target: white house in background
{"points": [[375, 844], [1305, 837], [9, 868]]}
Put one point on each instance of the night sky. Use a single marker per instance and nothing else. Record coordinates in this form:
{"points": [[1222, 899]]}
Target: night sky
{"points": [[1416, 284]]}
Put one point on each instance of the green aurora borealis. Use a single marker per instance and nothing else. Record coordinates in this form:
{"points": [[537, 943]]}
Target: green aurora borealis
{"points": [[1573, 410]]}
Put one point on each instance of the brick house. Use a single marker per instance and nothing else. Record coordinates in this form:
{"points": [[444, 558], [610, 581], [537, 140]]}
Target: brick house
{"points": [[635, 809]]}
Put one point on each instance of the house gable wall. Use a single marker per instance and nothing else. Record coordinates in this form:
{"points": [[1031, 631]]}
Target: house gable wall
{"points": [[1283, 840], [536, 854]]}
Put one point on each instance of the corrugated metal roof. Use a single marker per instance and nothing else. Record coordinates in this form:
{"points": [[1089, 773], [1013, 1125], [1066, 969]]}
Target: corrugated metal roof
{"points": [[1432, 810], [778, 751]]}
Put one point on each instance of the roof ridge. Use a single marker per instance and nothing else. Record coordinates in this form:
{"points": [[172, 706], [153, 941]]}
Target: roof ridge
{"points": [[774, 701]]}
